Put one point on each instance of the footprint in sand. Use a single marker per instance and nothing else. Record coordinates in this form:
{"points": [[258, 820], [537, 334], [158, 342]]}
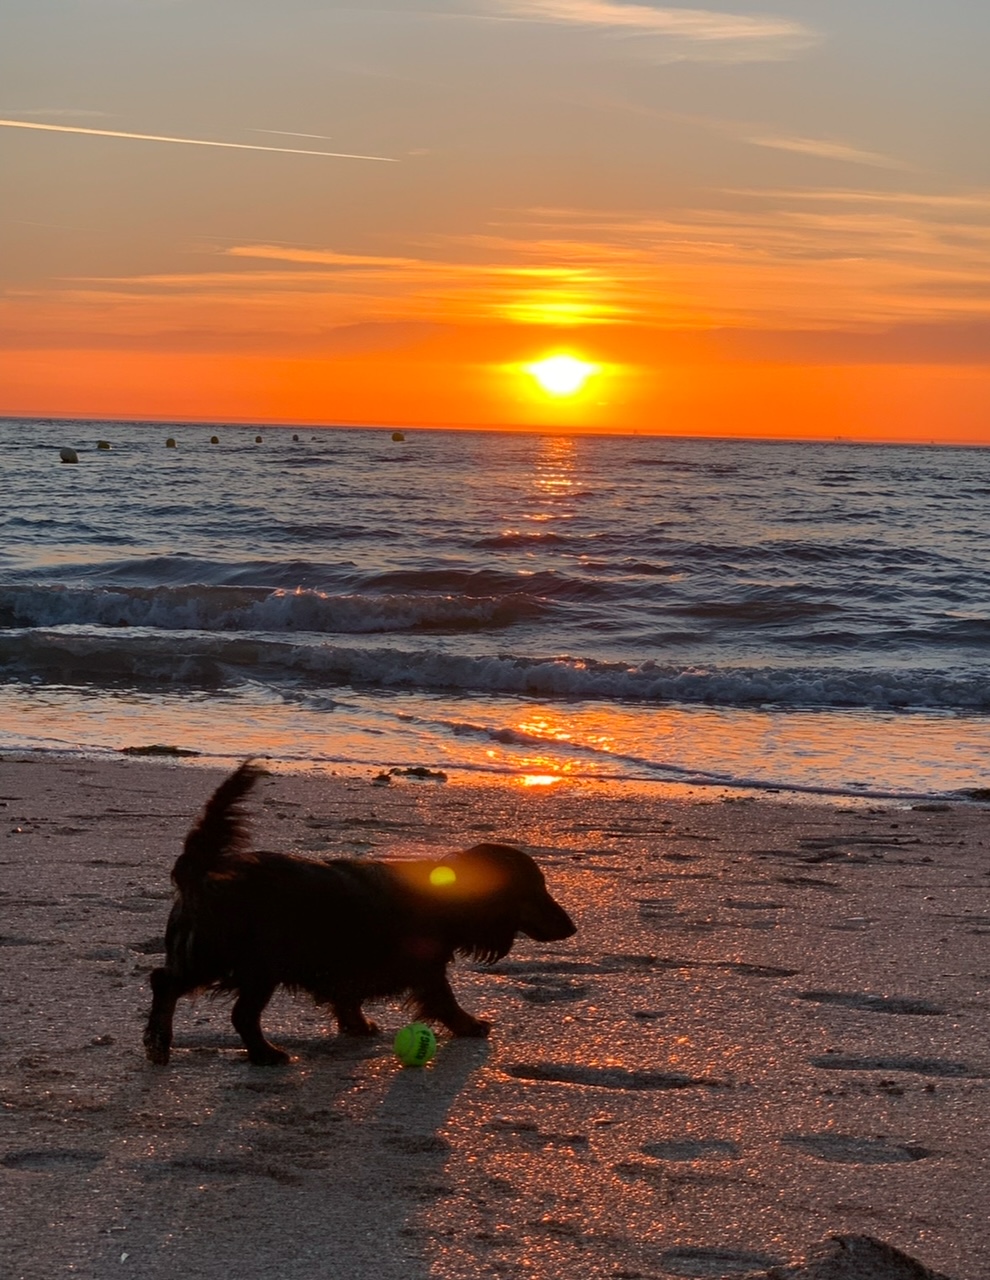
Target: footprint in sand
{"points": [[522, 968], [150, 946], [865, 1003], [714, 1262], [663, 909], [692, 1149], [811, 882], [532, 1135], [840, 1148], [757, 970], [919, 1066], [224, 1168], [53, 1160], [140, 906], [551, 989], [104, 953], [607, 1077], [752, 904], [724, 966]]}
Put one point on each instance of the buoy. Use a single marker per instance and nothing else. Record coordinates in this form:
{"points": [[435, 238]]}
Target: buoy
{"points": [[397, 435], [295, 437], [68, 455], [170, 443], [103, 444], [257, 439], [214, 439]]}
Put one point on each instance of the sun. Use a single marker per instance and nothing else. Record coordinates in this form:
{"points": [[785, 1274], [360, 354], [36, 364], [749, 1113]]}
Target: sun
{"points": [[561, 375]]}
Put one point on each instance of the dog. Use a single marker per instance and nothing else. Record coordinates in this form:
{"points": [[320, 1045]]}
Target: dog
{"points": [[344, 931]]}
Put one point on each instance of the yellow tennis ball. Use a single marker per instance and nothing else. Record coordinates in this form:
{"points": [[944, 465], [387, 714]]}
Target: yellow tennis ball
{"points": [[415, 1045]]}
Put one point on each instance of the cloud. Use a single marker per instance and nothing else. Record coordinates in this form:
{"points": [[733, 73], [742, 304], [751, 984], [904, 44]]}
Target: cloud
{"points": [[189, 142], [302, 292], [692, 32], [759, 135], [839, 261], [420, 266], [977, 202], [842, 260], [825, 150]]}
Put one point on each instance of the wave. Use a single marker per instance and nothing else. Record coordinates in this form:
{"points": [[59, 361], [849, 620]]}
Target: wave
{"points": [[201, 608], [76, 655], [514, 539], [547, 584]]}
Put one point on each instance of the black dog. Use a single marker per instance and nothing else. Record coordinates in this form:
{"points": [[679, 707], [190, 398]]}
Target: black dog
{"points": [[344, 931]]}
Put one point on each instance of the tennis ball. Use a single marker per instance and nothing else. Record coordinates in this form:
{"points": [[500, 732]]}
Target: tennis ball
{"points": [[415, 1045]]}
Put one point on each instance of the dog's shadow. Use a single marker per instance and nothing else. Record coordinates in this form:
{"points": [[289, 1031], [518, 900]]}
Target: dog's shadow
{"points": [[414, 1111], [344, 1125], [419, 1099]]}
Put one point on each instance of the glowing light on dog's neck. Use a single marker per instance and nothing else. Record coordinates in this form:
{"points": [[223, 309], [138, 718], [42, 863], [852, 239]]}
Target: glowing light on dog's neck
{"points": [[440, 877]]}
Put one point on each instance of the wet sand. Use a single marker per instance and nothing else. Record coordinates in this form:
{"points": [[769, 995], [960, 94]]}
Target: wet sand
{"points": [[770, 1029]]}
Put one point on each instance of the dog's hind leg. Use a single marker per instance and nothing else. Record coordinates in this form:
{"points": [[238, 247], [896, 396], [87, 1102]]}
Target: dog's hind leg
{"points": [[350, 1020], [166, 989], [434, 1001], [252, 998]]}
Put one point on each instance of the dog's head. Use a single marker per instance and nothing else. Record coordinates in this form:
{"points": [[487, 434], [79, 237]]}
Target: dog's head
{"points": [[498, 892]]}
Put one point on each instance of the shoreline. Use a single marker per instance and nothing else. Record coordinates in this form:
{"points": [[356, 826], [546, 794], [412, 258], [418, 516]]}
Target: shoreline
{"points": [[814, 976], [690, 790]]}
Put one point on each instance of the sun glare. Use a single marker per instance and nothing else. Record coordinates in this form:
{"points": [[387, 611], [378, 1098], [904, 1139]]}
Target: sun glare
{"points": [[561, 375]]}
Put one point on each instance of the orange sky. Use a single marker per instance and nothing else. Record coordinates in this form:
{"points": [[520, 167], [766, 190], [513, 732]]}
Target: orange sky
{"points": [[679, 196]]}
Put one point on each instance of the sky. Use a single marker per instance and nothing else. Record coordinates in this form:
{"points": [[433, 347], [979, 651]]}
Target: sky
{"points": [[766, 218]]}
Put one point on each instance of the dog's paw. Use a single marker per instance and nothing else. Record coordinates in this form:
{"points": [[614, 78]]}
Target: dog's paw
{"points": [[356, 1025], [157, 1050], [269, 1056], [476, 1028], [363, 1028]]}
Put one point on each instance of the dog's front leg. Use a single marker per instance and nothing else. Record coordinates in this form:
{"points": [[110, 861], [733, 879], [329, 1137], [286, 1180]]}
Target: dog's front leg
{"points": [[165, 992], [246, 1017], [435, 1002]]}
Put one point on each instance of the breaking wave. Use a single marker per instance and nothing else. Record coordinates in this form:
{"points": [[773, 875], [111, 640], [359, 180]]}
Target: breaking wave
{"points": [[76, 654], [209, 608]]}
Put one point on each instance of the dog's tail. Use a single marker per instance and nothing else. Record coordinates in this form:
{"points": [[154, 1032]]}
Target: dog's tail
{"points": [[220, 831]]}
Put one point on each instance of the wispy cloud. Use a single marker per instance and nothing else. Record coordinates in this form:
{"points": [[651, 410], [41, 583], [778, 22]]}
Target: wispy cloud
{"points": [[421, 266], [189, 142], [836, 260], [976, 202], [348, 287], [760, 135], [843, 259], [714, 34], [823, 149]]}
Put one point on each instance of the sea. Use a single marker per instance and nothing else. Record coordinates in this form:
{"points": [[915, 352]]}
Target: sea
{"points": [[795, 618]]}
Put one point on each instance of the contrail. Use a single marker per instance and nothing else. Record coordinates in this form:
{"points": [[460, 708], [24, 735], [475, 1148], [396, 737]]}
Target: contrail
{"points": [[189, 142], [292, 133]]}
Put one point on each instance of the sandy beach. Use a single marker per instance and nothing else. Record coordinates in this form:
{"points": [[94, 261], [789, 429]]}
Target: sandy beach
{"points": [[771, 1029]]}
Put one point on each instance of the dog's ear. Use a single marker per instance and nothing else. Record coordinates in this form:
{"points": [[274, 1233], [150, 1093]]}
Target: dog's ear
{"points": [[495, 888], [487, 939], [519, 884]]}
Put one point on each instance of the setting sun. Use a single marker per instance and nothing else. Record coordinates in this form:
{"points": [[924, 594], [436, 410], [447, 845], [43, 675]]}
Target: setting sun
{"points": [[561, 375]]}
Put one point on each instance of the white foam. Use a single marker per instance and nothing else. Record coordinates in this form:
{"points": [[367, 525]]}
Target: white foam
{"points": [[143, 654]]}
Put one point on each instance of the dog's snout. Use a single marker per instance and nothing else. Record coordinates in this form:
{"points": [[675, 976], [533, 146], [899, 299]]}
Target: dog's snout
{"points": [[547, 921]]}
